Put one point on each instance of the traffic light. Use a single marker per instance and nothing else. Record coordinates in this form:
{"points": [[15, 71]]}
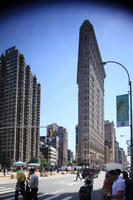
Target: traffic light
{"points": [[50, 133]]}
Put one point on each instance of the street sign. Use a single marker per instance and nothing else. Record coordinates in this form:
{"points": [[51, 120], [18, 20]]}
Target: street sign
{"points": [[122, 106], [129, 150]]}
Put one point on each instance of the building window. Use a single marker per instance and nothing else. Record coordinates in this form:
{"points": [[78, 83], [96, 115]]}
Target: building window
{"points": [[85, 37]]}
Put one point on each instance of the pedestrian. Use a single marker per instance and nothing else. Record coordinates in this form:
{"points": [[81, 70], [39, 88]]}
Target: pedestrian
{"points": [[119, 173], [129, 186], [107, 185], [4, 171], [89, 183], [35, 170], [82, 172], [33, 183], [89, 179], [118, 186], [20, 185], [78, 175]]}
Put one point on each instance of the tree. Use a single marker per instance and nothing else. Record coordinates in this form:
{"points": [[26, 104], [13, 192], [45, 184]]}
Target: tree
{"points": [[44, 165]]}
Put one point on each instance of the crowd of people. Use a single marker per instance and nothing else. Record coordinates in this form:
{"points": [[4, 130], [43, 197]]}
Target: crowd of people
{"points": [[117, 187], [28, 187]]}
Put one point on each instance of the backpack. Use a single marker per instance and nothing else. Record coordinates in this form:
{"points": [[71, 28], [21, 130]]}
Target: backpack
{"points": [[84, 193], [83, 189]]}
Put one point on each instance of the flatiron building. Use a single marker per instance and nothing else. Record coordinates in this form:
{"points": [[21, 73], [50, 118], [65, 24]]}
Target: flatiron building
{"points": [[90, 80]]}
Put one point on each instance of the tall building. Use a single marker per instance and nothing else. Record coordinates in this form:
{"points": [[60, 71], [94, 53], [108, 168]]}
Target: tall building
{"points": [[90, 80], [59, 132], [19, 109], [63, 145], [76, 150], [70, 157], [122, 158], [116, 151], [107, 150], [110, 138]]}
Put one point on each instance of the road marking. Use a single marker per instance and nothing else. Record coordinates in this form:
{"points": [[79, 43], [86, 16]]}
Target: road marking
{"points": [[7, 191], [67, 198], [49, 198], [57, 191], [2, 187], [40, 195], [12, 198], [7, 195]]}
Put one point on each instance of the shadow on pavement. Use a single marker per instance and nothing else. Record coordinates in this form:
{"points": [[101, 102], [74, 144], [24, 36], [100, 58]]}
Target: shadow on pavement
{"points": [[96, 195]]}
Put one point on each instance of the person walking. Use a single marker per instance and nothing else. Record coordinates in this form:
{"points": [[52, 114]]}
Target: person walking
{"points": [[20, 185], [89, 183], [129, 186], [33, 183], [78, 175], [4, 171], [118, 186], [107, 186]]}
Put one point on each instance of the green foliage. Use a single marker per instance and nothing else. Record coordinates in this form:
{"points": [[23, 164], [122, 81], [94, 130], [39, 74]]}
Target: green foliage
{"points": [[44, 165]]}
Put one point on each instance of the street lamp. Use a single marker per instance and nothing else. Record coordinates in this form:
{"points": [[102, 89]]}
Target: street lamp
{"points": [[130, 92]]}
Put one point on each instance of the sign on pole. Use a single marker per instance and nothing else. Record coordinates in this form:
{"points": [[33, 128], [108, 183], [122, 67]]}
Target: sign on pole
{"points": [[122, 106], [129, 150]]}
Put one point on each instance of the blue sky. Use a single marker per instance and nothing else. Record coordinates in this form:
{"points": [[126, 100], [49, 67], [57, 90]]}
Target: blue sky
{"points": [[48, 36]]}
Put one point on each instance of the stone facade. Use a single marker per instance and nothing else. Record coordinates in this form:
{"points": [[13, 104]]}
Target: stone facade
{"points": [[90, 80], [110, 138]]}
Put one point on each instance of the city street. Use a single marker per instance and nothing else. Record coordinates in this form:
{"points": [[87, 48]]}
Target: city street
{"points": [[62, 187]]}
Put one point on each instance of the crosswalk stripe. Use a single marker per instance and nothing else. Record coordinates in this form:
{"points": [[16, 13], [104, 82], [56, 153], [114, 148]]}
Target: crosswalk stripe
{"points": [[7, 195], [6, 191], [58, 191], [12, 198], [66, 198], [2, 187], [40, 195], [49, 198]]}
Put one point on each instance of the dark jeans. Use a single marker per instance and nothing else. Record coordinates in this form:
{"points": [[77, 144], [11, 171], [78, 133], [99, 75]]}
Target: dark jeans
{"points": [[34, 193], [78, 177], [21, 185]]}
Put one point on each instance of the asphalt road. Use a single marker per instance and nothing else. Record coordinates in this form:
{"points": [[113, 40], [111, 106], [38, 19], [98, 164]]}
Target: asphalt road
{"points": [[63, 187]]}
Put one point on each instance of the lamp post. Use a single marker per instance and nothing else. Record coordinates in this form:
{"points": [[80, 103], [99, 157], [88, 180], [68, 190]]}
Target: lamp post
{"points": [[130, 92]]}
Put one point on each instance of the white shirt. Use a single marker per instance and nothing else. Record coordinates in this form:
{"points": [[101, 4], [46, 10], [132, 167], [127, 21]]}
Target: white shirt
{"points": [[33, 182], [117, 186]]}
